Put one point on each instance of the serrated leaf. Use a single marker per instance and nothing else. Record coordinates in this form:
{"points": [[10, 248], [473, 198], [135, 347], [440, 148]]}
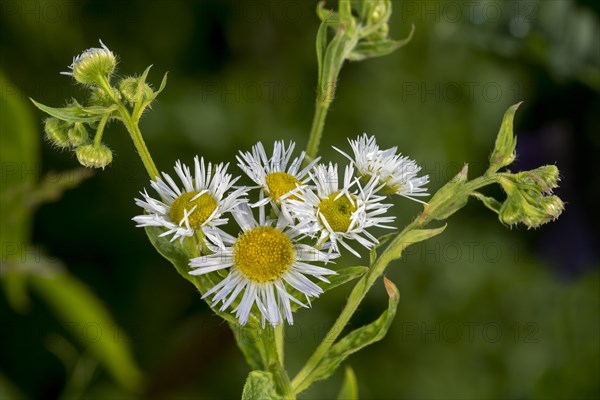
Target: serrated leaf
{"points": [[371, 49], [506, 142], [260, 386], [358, 338], [489, 202], [349, 389], [75, 113]]}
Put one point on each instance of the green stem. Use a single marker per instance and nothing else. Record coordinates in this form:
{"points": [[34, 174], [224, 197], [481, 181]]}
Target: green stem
{"points": [[316, 131], [140, 145], [131, 123], [275, 362], [303, 379], [100, 130]]}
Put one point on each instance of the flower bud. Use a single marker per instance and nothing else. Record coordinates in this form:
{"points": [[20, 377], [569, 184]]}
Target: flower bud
{"points": [[57, 132], [129, 89], [78, 135], [528, 205], [94, 155], [93, 65], [543, 178]]}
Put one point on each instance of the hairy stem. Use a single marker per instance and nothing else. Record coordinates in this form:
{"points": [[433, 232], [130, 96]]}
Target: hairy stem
{"points": [[131, 123], [316, 131]]}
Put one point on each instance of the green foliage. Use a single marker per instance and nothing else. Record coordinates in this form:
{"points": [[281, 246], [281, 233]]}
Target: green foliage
{"points": [[18, 152], [75, 112], [71, 300], [260, 386], [349, 389], [506, 142], [357, 339]]}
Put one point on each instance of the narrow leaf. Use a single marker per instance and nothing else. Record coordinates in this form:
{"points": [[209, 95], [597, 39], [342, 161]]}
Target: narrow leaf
{"points": [[349, 389], [74, 113], [489, 202], [450, 198], [506, 142], [260, 386], [371, 49], [358, 338], [399, 244], [73, 301]]}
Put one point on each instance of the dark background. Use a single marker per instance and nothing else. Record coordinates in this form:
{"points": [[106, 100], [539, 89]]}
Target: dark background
{"points": [[486, 311]]}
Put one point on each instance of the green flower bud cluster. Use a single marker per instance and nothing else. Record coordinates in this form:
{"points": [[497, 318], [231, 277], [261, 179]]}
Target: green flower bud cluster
{"points": [[67, 126], [74, 136], [529, 197]]}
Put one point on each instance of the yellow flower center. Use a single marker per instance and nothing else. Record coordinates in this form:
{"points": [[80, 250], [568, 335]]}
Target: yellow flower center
{"points": [[205, 205], [337, 213], [263, 254], [279, 183]]}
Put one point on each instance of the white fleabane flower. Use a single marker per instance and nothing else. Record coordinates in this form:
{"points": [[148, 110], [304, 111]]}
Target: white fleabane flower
{"points": [[397, 174], [93, 63], [264, 261], [340, 214], [199, 204], [277, 175]]}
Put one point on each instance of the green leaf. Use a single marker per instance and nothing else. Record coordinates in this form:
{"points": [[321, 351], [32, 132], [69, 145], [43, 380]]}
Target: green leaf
{"points": [[489, 202], [395, 249], [247, 338], [370, 49], [345, 10], [382, 240], [75, 112], [260, 386], [91, 323], [349, 389], [19, 152], [321, 45], [450, 198], [506, 142], [358, 338], [55, 184]]}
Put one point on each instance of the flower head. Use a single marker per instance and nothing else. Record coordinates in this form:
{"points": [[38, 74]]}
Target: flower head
{"points": [[276, 176], [340, 214], [396, 173], [265, 263], [92, 65], [94, 155], [199, 204]]}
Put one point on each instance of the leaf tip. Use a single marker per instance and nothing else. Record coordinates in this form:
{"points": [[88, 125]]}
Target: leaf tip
{"points": [[391, 289]]}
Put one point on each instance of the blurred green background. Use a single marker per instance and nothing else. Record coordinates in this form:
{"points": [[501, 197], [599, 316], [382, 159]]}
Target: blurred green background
{"points": [[88, 307]]}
